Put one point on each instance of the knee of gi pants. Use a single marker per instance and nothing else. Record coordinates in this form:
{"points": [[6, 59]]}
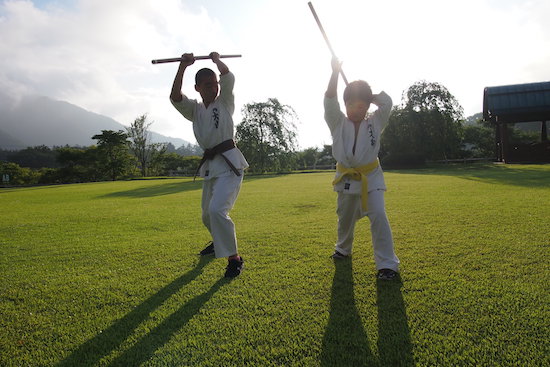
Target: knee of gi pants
{"points": [[376, 213], [215, 211], [376, 208]]}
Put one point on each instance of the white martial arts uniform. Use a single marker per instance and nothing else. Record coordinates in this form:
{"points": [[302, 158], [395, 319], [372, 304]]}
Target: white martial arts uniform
{"points": [[349, 190], [221, 185]]}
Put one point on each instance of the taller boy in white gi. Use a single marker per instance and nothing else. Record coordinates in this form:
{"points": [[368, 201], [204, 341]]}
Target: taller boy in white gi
{"points": [[223, 163], [359, 179]]}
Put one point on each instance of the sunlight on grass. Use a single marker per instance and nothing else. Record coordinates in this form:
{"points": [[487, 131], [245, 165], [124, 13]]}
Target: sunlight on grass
{"points": [[107, 274]]}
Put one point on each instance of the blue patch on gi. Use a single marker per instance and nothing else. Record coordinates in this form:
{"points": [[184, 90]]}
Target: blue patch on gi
{"points": [[346, 186]]}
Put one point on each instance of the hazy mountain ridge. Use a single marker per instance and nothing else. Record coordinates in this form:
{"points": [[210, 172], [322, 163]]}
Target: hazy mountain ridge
{"points": [[39, 120]]}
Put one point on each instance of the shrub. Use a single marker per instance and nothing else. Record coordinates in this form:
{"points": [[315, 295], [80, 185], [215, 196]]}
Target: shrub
{"points": [[397, 160]]}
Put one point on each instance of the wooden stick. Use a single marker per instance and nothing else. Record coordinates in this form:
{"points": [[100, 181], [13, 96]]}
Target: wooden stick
{"points": [[326, 38], [178, 59]]}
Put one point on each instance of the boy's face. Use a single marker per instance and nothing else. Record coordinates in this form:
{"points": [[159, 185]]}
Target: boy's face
{"points": [[208, 89], [356, 110]]}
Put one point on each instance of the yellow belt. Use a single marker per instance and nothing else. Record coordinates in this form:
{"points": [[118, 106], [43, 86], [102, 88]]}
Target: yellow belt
{"points": [[358, 173]]}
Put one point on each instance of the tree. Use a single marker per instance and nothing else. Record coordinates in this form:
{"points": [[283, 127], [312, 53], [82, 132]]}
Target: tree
{"points": [[34, 157], [178, 163], [479, 138], [189, 149], [267, 135], [17, 175], [79, 164], [325, 157], [113, 152], [140, 143], [308, 158], [170, 148], [156, 161], [427, 125]]}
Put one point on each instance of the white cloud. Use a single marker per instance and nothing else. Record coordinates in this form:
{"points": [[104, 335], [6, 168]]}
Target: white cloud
{"points": [[96, 54]]}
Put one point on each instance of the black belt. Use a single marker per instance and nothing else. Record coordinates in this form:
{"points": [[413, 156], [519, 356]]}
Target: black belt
{"points": [[209, 154]]}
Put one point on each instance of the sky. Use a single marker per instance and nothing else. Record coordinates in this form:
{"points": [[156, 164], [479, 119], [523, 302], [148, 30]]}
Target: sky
{"points": [[97, 53]]}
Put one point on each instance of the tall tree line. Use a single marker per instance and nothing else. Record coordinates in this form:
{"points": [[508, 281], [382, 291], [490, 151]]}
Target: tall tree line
{"points": [[117, 154], [427, 125]]}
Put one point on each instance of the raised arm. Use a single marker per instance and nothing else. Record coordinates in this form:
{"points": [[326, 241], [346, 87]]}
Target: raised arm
{"points": [[227, 82], [186, 60], [333, 114], [220, 64], [332, 88], [384, 104]]}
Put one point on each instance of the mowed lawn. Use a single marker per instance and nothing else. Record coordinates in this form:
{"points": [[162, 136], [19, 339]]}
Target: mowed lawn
{"points": [[107, 274]]}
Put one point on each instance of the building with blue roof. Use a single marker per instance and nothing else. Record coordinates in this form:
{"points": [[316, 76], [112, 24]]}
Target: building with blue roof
{"points": [[510, 104]]}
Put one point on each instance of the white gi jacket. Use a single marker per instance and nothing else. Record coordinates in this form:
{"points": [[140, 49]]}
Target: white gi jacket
{"points": [[367, 145], [214, 125]]}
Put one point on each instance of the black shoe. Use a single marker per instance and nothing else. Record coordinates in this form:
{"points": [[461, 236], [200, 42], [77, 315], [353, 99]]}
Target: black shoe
{"points": [[234, 268], [208, 250], [338, 255], [386, 274]]}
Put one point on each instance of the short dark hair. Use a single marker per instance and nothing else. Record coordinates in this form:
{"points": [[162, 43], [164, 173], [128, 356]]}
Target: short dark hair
{"points": [[202, 74], [358, 89]]}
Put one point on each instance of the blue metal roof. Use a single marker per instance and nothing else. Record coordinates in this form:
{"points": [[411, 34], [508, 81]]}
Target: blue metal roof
{"points": [[517, 103]]}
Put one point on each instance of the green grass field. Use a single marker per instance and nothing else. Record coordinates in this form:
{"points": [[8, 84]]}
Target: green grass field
{"points": [[106, 274]]}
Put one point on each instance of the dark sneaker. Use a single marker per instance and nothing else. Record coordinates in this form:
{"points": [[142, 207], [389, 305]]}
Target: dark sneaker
{"points": [[208, 250], [234, 268], [338, 255], [386, 274]]}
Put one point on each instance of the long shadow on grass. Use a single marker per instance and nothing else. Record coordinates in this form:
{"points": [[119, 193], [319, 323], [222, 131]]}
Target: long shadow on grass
{"points": [[91, 352], [171, 188], [491, 173], [144, 349], [345, 342], [394, 340], [157, 190]]}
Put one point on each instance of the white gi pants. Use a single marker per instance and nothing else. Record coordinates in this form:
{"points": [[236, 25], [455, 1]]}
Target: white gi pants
{"points": [[218, 197], [349, 212]]}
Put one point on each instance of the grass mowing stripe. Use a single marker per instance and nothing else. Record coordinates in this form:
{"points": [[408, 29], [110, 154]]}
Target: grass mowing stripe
{"points": [[107, 274]]}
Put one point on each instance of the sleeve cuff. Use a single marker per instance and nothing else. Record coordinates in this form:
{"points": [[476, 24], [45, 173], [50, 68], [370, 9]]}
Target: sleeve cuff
{"points": [[381, 99]]}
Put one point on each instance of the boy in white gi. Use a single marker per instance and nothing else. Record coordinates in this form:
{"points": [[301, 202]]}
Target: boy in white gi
{"points": [[223, 163], [359, 180]]}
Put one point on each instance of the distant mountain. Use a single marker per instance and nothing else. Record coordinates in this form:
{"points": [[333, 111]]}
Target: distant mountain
{"points": [[8, 141], [38, 120]]}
